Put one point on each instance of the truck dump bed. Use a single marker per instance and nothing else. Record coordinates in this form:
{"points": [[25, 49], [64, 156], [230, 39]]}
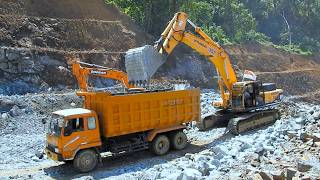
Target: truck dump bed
{"points": [[131, 113]]}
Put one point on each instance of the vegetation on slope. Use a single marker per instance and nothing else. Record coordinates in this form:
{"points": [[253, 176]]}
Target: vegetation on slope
{"points": [[292, 25]]}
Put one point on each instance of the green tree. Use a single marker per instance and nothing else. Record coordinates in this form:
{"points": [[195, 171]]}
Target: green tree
{"points": [[292, 23]]}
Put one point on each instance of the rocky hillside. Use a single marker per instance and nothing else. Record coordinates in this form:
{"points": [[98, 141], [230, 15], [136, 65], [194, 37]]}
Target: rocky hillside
{"points": [[296, 74], [36, 36]]}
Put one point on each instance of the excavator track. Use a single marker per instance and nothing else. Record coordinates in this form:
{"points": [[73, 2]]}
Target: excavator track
{"points": [[238, 123], [253, 120]]}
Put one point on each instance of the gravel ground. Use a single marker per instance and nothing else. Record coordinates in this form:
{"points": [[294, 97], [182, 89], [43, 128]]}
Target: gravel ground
{"points": [[289, 148]]}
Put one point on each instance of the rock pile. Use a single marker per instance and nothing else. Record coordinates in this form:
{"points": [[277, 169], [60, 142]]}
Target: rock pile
{"points": [[288, 149], [274, 152]]}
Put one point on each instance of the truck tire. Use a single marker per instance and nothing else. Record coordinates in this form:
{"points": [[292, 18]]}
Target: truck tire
{"points": [[178, 140], [85, 161], [160, 145]]}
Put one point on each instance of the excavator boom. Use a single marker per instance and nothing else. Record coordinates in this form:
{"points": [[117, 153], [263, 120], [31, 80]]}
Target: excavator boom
{"points": [[141, 64], [82, 74]]}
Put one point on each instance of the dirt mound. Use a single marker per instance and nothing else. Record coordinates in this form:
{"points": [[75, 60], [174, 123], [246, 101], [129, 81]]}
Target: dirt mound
{"points": [[82, 10], [268, 59], [37, 36], [71, 9], [33, 32], [296, 74]]}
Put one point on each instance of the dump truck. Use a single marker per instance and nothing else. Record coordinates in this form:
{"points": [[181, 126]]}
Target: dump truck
{"points": [[120, 124]]}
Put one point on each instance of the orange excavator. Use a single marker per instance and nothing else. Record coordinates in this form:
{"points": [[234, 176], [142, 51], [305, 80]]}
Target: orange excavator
{"points": [[82, 74], [245, 105]]}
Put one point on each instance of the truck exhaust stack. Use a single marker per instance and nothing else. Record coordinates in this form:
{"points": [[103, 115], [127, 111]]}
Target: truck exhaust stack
{"points": [[142, 63]]}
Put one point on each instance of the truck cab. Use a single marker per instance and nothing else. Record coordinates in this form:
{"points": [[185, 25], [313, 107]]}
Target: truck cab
{"points": [[70, 131]]}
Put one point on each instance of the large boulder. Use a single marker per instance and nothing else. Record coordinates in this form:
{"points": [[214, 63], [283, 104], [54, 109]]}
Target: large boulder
{"points": [[6, 105], [316, 137], [16, 111], [191, 174]]}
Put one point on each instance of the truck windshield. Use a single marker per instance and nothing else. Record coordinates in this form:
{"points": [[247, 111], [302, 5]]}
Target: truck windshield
{"points": [[55, 125]]}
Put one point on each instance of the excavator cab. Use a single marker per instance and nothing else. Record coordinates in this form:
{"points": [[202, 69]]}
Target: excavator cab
{"points": [[247, 95], [250, 95]]}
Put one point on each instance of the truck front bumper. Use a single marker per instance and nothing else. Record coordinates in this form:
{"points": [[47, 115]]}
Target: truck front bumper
{"points": [[52, 155]]}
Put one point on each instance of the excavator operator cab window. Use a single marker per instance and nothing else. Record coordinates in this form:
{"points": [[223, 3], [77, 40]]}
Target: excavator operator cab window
{"points": [[252, 97], [73, 125], [249, 95], [247, 99], [250, 88]]}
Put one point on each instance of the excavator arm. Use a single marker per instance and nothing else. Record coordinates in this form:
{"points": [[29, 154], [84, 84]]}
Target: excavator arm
{"points": [[82, 74], [176, 33], [246, 105]]}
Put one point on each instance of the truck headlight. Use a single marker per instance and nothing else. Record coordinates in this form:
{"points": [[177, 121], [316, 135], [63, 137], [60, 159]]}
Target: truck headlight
{"points": [[56, 150]]}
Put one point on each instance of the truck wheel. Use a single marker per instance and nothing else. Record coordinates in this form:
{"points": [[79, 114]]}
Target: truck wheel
{"points": [[160, 145], [178, 140], [85, 161]]}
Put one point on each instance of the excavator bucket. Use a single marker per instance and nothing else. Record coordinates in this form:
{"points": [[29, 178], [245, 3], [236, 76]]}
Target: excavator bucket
{"points": [[142, 63]]}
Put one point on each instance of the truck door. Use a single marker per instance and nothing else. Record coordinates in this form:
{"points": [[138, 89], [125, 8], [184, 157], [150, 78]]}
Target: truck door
{"points": [[93, 133], [73, 136]]}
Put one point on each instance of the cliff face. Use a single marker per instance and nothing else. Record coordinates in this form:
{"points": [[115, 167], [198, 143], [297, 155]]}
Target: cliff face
{"points": [[37, 36]]}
